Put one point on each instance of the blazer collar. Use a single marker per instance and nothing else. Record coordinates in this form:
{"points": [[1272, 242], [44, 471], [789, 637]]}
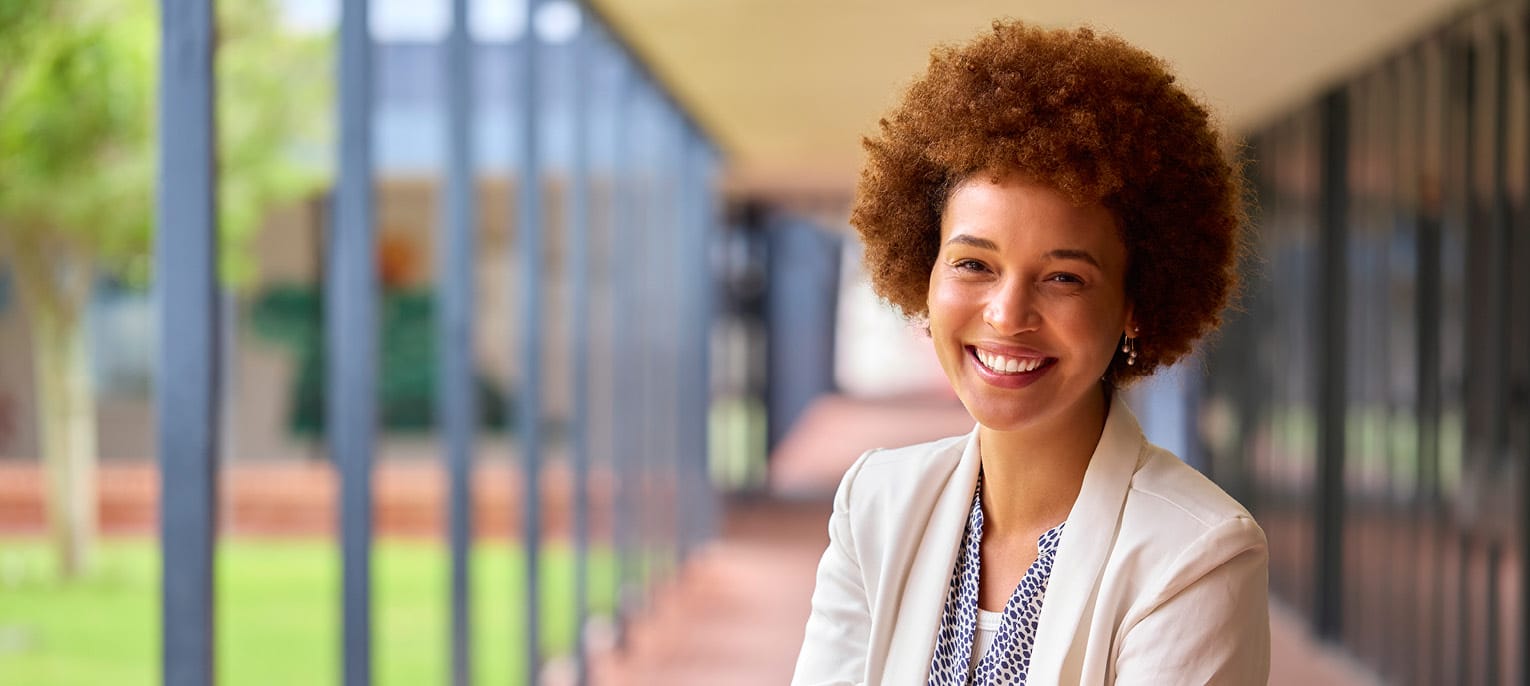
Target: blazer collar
{"points": [[1092, 526], [924, 591], [1086, 544]]}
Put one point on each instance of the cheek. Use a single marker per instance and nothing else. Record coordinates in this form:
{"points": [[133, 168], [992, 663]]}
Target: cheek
{"points": [[948, 305], [1096, 329]]}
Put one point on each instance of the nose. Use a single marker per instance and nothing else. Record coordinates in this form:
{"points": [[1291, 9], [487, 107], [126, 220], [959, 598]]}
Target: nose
{"points": [[1011, 308]]}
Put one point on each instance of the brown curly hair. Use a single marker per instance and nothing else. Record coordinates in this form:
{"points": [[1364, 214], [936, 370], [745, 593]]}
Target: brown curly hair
{"points": [[1095, 118]]}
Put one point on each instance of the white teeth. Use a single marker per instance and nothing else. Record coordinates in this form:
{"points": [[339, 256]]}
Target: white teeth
{"points": [[1008, 365]]}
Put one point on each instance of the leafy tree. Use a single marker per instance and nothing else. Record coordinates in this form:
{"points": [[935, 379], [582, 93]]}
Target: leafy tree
{"points": [[77, 174]]}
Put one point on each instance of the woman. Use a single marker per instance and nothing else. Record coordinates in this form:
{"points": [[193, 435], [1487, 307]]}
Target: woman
{"points": [[1061, 216]]}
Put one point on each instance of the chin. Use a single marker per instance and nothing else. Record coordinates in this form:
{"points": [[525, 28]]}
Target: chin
{"points": [[1003, 416], [1023, 410]]}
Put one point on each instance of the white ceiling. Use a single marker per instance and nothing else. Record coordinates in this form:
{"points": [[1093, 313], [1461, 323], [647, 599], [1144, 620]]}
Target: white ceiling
{"points": [[790, 86]]}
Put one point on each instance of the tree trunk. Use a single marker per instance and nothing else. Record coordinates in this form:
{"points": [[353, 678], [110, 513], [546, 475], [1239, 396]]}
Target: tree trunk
{"points": [[55, 285], [67, 430]]}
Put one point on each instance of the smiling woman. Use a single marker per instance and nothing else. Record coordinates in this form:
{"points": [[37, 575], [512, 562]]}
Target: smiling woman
{"points": [[1062, 217]]}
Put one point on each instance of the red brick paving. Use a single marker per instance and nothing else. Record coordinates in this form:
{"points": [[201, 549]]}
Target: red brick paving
{"points": [[734, 615], [289, 498], [835, 430]]}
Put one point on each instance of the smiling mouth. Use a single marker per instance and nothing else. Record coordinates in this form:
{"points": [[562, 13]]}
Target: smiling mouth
{"points": [[1005, 365]]}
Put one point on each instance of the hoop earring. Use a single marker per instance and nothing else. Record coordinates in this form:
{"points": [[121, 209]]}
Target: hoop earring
{"points": [[1129, 346]]}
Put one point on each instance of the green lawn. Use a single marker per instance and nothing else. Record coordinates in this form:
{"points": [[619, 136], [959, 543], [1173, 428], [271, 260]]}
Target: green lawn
{"points": [[277, 613]]}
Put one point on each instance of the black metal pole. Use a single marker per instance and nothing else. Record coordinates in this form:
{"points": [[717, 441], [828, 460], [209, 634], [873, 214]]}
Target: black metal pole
{"points": [[1333, 251], [351, 334], [457, 406], [580, 273], [188, 385], [529, 254]]}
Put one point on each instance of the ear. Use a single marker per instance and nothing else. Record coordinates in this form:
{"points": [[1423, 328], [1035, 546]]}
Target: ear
{"points": [[1131, 330]]}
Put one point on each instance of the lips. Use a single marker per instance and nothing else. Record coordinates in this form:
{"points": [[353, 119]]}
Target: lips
{"points": [[1010, 369], [1005, 364]]}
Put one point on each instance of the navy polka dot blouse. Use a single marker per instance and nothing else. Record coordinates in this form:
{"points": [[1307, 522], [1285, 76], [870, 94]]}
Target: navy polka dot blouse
{"points": [[1009, 657]]}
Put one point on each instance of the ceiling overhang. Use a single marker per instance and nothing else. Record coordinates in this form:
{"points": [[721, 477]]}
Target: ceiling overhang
{"points": [[789, 87]]}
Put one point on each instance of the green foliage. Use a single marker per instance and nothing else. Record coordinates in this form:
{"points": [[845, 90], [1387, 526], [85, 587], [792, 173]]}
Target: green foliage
{"points": [[278, 608], [290, 314], [274, 101], [74, 125], [78, 89]]}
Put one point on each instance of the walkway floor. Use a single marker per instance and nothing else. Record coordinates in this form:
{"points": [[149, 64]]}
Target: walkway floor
{"points": [[734, 616]]}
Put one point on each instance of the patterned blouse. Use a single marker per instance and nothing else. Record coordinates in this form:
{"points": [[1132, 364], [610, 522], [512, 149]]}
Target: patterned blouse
{"points": [[1009, 657]]}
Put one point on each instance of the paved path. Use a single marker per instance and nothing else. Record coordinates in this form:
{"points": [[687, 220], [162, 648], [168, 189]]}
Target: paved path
{"points": [[735, 615]]}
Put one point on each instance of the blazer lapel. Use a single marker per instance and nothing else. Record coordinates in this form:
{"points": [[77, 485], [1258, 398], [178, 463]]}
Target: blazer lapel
{"points": [[924, 591], [1091, 531]]}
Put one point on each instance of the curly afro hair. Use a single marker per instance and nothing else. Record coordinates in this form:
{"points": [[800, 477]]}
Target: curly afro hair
{"points": [[1095, 118]]}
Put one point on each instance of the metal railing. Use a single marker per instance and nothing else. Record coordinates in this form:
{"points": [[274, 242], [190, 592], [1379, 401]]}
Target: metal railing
{"points": [[652, 183]]}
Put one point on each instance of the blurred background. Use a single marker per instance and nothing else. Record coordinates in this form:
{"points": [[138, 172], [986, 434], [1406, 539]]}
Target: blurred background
{"points": [[524, 341]]}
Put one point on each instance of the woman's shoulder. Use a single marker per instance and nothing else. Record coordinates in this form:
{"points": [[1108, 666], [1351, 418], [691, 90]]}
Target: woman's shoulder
{"points": [[895, 473], [1179, 529], [1179, 502]]}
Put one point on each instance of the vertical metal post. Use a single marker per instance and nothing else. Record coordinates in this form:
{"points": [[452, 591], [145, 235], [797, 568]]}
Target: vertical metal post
{"points": [[660, 313], [456, 406], [699, 217], [692, 357], [1430, 105], [528, 411], [706, 288], [645, 332], [351, 334], [1518, 366], [624, 359], [659, 380], [579, 269], [672, 289], [186, 246], [1333, 237], [1456, 326], [688, 415], [1495, 301], [684, 372]]}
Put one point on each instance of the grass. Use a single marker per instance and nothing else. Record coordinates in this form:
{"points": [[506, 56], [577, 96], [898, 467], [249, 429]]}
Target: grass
{"points": [[277, 613]]}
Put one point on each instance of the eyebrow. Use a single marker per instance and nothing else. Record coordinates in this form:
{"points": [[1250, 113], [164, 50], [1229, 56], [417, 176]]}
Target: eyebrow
{"points": [[1080, 255], [1058, 254], [974, 241]]}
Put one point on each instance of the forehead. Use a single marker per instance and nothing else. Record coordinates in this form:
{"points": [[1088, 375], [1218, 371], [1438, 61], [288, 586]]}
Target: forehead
{"points": [[1011, 208]]}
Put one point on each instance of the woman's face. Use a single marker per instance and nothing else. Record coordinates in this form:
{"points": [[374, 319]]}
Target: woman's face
{"points": [[1027, 301]]}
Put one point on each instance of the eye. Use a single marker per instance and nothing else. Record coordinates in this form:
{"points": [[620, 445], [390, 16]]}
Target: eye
{"points": [[1064, 277], [969, 265]]}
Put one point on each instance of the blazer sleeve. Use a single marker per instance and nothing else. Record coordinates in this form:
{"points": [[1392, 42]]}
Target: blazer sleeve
{"points": [[834, 646], [1209, 623]]}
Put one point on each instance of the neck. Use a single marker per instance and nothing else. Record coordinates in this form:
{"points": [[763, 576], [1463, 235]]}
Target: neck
{"points": [[1032, 476]]}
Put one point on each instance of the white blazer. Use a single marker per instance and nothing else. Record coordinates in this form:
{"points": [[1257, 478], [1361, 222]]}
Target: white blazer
{"points": [[1161, 578]]}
